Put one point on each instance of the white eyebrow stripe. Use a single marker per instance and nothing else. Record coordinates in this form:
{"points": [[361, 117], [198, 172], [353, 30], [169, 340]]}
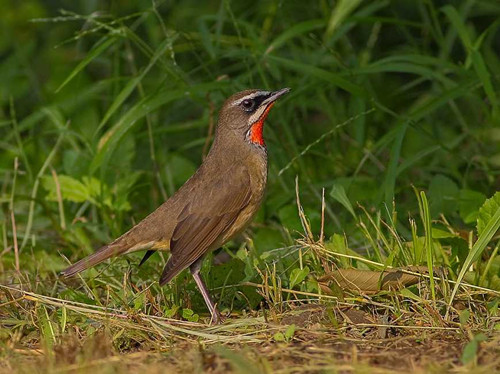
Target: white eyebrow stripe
{"points": [[250, 96]]}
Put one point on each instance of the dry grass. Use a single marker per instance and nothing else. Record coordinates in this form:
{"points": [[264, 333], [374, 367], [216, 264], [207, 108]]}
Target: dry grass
{"points": [[247, 344], [294, 330], [356, 333]]}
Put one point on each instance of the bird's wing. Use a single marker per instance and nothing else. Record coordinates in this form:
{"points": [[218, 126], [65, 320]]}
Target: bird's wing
{"points": [[205, 219]]}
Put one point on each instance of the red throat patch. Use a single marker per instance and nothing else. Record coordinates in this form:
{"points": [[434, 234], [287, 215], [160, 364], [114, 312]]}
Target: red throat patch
{"points": [[258, 127]]}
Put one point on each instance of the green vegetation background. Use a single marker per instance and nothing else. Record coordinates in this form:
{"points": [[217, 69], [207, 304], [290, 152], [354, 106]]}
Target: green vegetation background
{"points": [[113, 101]]}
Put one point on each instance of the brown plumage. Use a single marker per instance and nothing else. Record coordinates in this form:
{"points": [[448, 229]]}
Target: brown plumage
{"points": [[214, 205]]}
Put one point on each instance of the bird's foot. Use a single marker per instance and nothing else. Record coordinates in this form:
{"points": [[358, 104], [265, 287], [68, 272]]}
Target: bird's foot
{"points": [[217, 318]]}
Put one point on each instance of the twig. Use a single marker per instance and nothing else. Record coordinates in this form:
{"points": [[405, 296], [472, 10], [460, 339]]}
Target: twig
{"points": [[322, 230], [302, 216], [60, 204]]}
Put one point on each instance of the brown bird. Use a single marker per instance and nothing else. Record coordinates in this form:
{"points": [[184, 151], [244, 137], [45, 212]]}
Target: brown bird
{"points": [[214, 205]]}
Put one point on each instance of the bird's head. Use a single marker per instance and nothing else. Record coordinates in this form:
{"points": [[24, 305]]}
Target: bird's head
{"points": [[244, 113]]}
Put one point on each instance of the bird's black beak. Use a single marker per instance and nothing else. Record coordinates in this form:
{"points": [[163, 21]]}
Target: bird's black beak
{"points": [[275, 96]]}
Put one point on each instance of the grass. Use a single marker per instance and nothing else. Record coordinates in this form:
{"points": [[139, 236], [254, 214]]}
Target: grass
{"points": [[377, 245]]}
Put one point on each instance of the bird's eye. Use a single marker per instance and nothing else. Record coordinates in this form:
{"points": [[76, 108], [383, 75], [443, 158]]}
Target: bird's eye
{"points": [[248, 104]]}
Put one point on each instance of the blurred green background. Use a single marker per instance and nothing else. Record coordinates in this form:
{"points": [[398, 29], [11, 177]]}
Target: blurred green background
{"points": [[112, 101]]}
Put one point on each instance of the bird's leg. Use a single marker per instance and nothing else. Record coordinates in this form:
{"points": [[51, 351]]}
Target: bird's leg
{"points": [[195, 272]]}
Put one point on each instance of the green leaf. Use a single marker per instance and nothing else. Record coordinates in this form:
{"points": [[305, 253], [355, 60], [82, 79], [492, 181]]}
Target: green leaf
{"points": [[90, 189], [290, 331], [279, 337], [71, 189], [337, 243], [441, 234], [469, 352], [74, 162], [298, 275], [180, 168], [139, 301], [189, 315], [289, 218], [407, 293], [266, 239], [493, 307], [464, 316], [287, 336], [494, 160], [360, 188], [338, 193], [170, 312], [469, 204], [443, 194], [46, 328], [122, 189], [487, 211]]}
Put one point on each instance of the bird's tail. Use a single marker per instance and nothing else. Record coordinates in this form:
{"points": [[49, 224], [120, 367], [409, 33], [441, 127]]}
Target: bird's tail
{"points": [[128, 242], [101, 255]]}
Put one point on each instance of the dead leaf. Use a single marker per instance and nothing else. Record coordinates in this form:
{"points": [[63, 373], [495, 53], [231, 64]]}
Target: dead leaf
{"points": [[355, 316], [370, 281]]}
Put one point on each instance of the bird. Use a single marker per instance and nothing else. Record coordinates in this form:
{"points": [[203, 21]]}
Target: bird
{"points": [[214, 205]]}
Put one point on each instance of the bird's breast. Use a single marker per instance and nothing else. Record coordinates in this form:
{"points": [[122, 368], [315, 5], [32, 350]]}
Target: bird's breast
{"points": [[258, 178]]}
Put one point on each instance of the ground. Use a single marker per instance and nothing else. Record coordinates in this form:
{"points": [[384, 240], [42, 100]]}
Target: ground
{"points": [[314, 337]]}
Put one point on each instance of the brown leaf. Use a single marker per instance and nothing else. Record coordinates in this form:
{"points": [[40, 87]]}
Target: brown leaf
{"points": [[369, 281], [355, 316]]}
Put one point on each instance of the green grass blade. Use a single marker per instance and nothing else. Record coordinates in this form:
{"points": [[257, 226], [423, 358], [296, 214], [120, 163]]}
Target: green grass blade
{"points": [[132, 84], [325, 75], [293, 32], [485, 78], [338, 193], [390, 178], [112, 138], [36, 184], [457, 22], [478, 248], [472, 49], [94, 53], [429, 247], [413, 159], [341, 11]]}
